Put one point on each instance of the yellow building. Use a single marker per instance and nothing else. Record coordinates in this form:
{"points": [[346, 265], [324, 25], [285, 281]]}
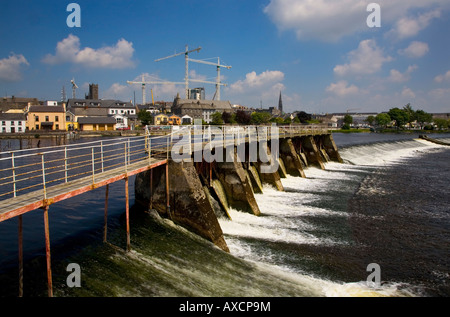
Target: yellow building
{"points": [[174, 120], [97, 123], [161, 119], [50, 118]]}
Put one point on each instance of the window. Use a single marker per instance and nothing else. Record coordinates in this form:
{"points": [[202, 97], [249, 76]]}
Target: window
{"points": [[36, 118], [57, 126], [37, 126], [3, 122], [19, 129], [19, 122], [56, 118], [67, 118], [47, 119], [12, 122]]}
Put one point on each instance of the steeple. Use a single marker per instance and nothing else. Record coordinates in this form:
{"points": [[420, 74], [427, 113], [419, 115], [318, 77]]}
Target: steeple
{"points": [[280, 104]]}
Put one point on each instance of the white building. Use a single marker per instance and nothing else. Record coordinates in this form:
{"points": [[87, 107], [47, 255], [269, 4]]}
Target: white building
{"points": [[12, 123]]}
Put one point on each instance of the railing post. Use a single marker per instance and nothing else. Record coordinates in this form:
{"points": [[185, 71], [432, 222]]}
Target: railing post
{"points": [[43, 175], [65, 163], [101, 153], [167, 147], [13, 172], [125, 155], [93, 167], [149, 148], [129, 151]]}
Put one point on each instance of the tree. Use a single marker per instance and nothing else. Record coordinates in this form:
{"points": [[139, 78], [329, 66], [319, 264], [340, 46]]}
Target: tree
{"points": [[145, 117], [370, 120], [410, 112], [217, 118], [400, 116], [382, 119], [304, 117], [243, 117], [442, 124], [260, 117], [277, 120], [348, 119], [423, 117]]}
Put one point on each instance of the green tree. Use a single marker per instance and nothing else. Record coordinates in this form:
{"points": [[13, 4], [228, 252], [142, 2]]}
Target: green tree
{"points": [[382, 119], [145, 117], [370, 120], [423, 117], [303, 117], [442, 124], [410, 112], [217, 118], [399, 116], [260, 117], [277, 120], [348, 119]]}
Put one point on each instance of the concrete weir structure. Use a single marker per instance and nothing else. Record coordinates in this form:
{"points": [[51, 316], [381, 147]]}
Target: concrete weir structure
{"points": [[209, 175]]}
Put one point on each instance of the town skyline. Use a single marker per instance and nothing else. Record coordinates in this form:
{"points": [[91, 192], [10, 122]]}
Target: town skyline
{"points": [[324, 58]]}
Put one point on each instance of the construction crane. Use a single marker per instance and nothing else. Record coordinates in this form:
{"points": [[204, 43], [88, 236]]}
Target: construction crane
{"points": [[143, 83], [186, 75], [218, 65], [74, 88]]}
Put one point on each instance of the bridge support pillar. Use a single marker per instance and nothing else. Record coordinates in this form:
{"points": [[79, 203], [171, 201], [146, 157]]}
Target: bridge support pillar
{"points": [[47, 253], [291, 159], [312, 151], [237, 185], [189, 205]]}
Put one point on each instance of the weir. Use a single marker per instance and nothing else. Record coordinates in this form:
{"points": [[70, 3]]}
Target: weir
{"points": [[191, 176], [202, 190]]}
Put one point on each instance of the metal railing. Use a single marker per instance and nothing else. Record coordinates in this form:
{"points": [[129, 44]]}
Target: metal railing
{"points": [[25, 171]]}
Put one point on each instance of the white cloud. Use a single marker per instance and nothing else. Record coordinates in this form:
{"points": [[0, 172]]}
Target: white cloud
{"points": [[398, 77], [255, 88], [10, 68], [69, 51], [408, 93], [410, 26], [444, 77], [341, 88], [254, 81], [368, 58], [415, 50], [330, 20]]}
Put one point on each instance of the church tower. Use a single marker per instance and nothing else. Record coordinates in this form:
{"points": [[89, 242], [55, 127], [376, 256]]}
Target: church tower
{"points": [[280, 104]]}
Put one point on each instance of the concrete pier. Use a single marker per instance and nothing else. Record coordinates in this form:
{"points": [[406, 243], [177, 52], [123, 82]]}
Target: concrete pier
{"points": [[198, 189]]}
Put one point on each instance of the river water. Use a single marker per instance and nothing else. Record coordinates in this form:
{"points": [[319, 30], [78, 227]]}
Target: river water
{"points": [[388, 204]]}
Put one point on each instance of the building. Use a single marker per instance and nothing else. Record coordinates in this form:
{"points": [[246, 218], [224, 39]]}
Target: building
{"points": [[186, 119], [200, 109], [93, 91], [12, 122], [280, 104], [17, 105], [124, 113], [174, 120], [50, 118], [161, 119], [97, 123]]}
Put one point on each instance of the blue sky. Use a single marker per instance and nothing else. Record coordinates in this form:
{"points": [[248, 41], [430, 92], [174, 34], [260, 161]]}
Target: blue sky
{"points": [[320, 54]]}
